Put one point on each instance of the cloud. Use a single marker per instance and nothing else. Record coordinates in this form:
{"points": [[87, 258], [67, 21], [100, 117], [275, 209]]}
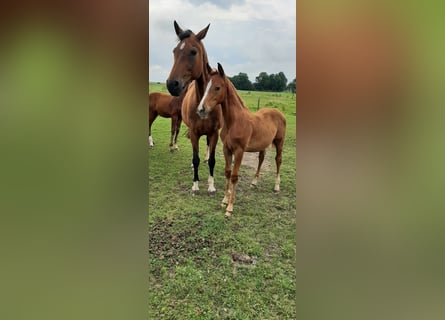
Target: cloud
{"points": [[244, 36]]}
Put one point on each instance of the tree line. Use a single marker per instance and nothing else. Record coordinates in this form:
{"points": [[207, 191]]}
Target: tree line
{"points": [[263, 82]]}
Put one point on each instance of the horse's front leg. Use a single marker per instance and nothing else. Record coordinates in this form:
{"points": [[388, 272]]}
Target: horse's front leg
{"points": [[151, 118], [228, 173], [238, 155], [194, 139], [213, 140]]}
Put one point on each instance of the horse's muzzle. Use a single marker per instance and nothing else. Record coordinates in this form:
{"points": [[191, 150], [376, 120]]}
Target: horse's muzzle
{"points": [[174, 87], [202, 113]]}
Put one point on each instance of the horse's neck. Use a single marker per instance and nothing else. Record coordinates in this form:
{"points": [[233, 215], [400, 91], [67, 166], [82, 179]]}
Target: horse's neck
{"points": [[202, 81], [232, 106]]}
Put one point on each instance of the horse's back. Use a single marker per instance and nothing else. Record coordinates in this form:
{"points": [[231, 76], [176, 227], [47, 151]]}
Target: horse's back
{"points": [[271, 116], [161, 103]]}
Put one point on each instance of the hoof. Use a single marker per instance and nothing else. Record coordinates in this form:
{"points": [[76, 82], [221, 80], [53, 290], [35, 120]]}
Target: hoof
{"points": [[227, 214], [211, 193], [253, 185], [223, 205], [193, 193], [276, 191]]}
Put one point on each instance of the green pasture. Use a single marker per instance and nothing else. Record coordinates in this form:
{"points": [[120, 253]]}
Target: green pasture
{"points": [[203, 265]]}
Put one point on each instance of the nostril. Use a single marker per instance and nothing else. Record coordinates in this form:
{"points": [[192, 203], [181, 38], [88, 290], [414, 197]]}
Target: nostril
{"points": [[172, 83]]}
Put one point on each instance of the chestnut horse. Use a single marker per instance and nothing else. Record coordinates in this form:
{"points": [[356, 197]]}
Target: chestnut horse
{"points": [[189, 72], [166, 106], [243, 131]]}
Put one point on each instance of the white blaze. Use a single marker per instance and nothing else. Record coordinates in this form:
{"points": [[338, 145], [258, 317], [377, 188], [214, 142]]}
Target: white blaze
{"points": [[200, 106]]}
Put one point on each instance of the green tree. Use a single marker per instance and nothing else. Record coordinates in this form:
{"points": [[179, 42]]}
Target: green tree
{"points": [[241, 81], [272, 82], [292, 86], [261, 82], [280, 81]]}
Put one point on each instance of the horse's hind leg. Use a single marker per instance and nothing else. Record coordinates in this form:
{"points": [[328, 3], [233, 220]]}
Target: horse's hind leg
{"points": [[279, 146], [260, 162], [207, 155], [212, 147], [173, 136], [178, 126]]}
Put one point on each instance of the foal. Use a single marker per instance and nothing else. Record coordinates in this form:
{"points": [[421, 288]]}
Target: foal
{"points": [[165, 106], [243, 131], [190, 73]]}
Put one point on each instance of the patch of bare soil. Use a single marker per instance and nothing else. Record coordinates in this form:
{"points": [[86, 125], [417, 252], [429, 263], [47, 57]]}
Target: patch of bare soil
{"points": [[250, 159], [173, 241]]}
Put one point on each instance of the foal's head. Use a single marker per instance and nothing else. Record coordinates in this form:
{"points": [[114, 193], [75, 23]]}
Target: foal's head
{"points": [[190, 59], [215, 92]]}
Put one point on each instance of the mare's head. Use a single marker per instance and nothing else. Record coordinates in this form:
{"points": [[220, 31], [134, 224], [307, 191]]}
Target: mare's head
{"points": [[215, 92], [190, 60]]}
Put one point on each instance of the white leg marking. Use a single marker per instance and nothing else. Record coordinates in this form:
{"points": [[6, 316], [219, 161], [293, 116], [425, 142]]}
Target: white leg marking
{"points": [[207, 154], [211, 188], [277, 183], [150, 141], [200, 106], [254, 181], [195, 186]]}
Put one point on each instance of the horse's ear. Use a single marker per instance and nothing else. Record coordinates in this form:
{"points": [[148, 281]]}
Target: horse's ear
{"points": [[201, 34], [209, 68], [220, 69], [178, 29]]}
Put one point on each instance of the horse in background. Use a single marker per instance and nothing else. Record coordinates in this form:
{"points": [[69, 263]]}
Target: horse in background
{"points": [[243, 131], [189, 73], [166, 106]]}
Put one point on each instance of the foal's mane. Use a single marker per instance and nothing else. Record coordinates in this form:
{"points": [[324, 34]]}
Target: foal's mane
{"points": [[232, 96]]}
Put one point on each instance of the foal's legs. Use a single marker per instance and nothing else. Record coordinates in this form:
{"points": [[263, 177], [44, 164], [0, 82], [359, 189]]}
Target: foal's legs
{"points": [[212, 141], [228, 173], [178, 126], [194, 139], [260, 162], [173, 137], [151, 117], [279, 146], [238, 155]]}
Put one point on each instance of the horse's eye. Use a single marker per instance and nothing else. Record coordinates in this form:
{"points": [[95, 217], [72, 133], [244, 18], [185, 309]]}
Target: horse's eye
{"points": [[193, 53], [217, 88]]}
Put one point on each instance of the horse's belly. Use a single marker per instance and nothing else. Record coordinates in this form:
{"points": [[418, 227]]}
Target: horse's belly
{"points": [[164, 114], [255, 146]]}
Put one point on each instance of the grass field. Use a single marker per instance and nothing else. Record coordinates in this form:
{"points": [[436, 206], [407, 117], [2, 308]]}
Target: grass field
{"points": [[203, 265]]}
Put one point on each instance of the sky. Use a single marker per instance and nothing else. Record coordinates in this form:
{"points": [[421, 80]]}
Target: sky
{"points": [[249, 36]]}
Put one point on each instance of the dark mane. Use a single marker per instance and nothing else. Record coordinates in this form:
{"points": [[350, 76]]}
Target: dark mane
{"points": [[185, 34]]}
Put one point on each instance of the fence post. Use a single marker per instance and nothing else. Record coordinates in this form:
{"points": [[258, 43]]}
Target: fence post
{"points": [[258, 105]]}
